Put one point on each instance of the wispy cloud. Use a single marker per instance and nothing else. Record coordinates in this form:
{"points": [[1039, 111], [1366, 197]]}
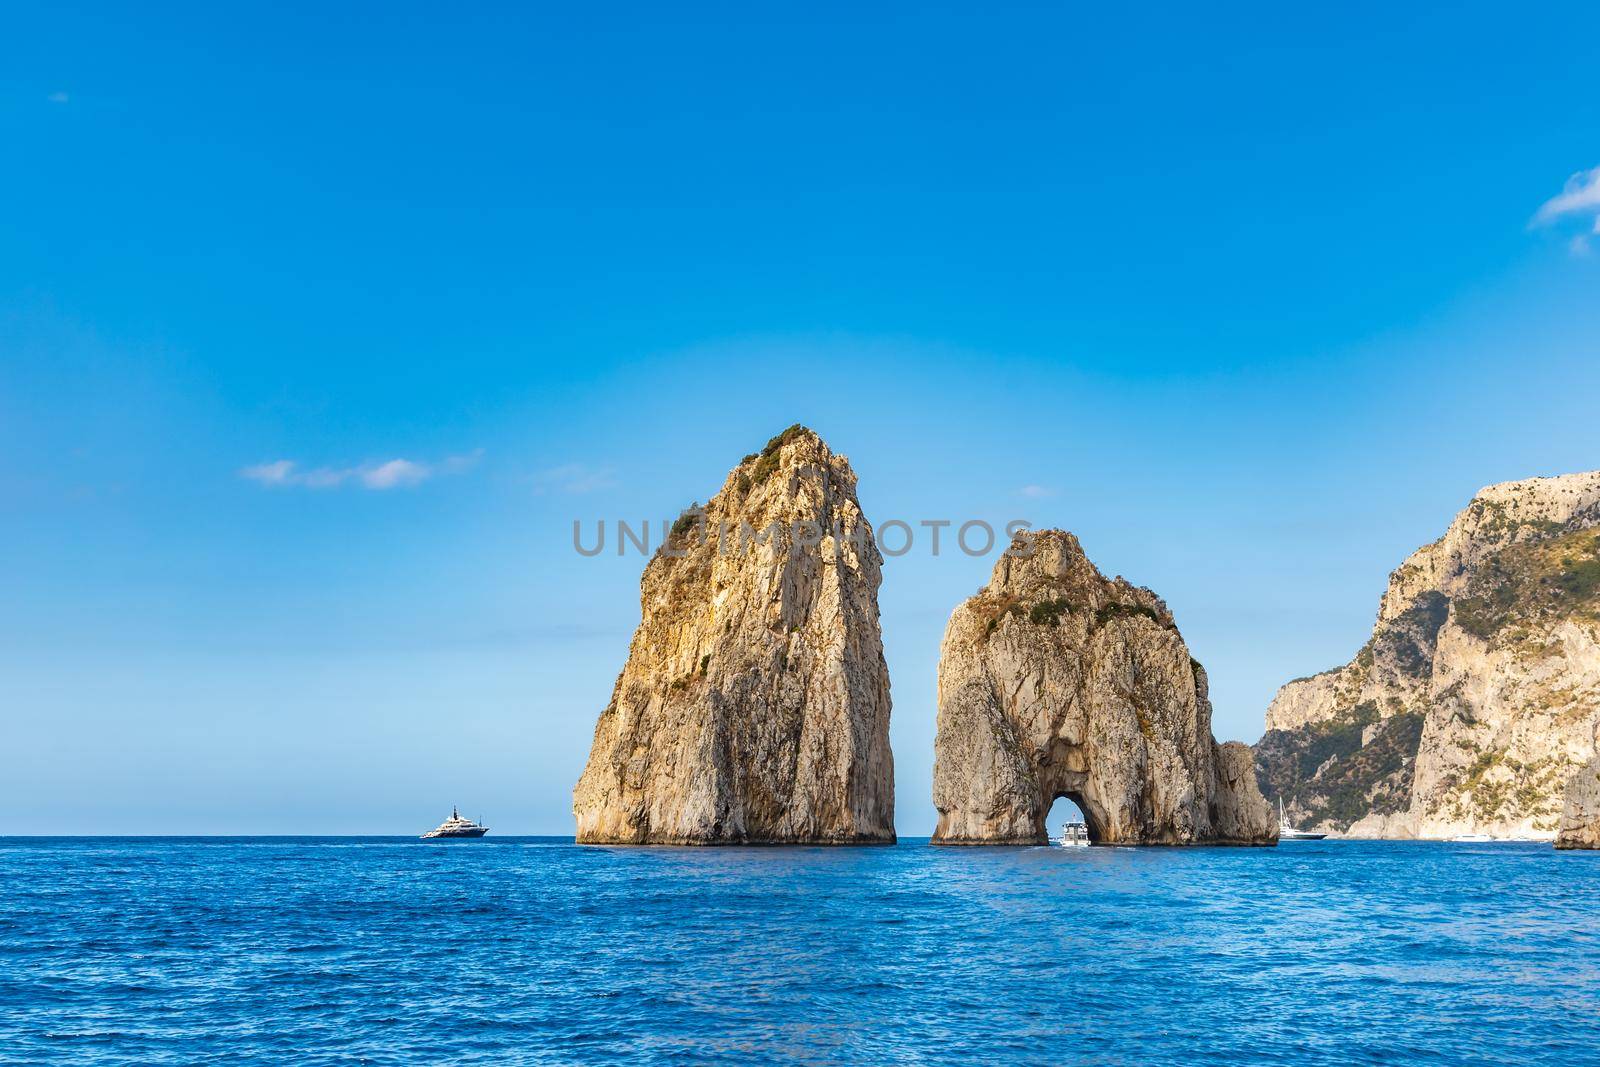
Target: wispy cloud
{"points": [[59, 98], [278, 472], [574, 478], [395, 472], [1036, 492], [387, 474], [1579, 198]]}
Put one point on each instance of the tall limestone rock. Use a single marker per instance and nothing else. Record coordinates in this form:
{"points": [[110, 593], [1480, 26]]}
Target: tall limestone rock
{"points": [[1054, 681], [1478, 695], [754, 706], [1580, 817]]}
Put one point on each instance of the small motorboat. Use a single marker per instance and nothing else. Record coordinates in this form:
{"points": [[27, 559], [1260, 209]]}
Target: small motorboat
{"points": [[1074, 835], [1472, 839], [1287, 832]]}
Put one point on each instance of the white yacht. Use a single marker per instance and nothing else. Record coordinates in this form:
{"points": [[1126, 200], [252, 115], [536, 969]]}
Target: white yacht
{"points": [[456, 826], [1286, 832], [1074, 835]]}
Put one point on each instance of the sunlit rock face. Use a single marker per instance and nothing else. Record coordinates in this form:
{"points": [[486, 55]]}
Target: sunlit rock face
{"points": [[754, 705], [1580, 816], [1056, 681], [1476, 699]]}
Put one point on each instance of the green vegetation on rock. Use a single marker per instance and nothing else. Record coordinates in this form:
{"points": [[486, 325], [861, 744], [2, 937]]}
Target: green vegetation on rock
{"points": [[1108, 612], [767, 458], [686, 519], [1551, 576], [1330, 775], [1049, 612]]}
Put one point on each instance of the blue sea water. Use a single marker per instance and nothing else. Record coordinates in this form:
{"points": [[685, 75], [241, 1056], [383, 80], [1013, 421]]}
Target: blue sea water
{"points": [[389, 951]]}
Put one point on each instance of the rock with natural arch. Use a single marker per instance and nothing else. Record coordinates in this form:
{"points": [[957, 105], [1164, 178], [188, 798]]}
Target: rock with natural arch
{"points": [[1055, 681]]}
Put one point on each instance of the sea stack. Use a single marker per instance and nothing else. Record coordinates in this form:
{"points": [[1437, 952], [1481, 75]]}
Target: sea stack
{"points": [[1476, 699], [1580, 815], [1055, 681], [754, 705]]}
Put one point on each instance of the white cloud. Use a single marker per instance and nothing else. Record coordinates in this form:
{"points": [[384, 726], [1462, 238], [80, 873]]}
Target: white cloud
{"points": [[1036, 492], [393, 473], [1579, 197], [574, 478], [388, 474]]}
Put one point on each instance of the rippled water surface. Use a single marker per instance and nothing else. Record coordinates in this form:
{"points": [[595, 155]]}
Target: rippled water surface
{"points": [[380, 950]]}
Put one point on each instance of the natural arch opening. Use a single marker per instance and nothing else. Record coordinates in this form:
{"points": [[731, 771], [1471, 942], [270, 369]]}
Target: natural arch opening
{"points": [[1068, 810]]}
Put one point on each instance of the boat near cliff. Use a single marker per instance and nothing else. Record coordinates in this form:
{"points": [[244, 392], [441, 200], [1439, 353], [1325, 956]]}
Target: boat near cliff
{"points": [[456, 826], [1288, 832]]}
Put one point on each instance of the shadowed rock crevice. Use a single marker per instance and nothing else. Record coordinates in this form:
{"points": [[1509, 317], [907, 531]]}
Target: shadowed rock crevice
{"points": [[1055, 681]]}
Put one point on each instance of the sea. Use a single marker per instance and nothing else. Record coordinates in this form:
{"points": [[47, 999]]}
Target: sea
{"points": [[535, 950]]}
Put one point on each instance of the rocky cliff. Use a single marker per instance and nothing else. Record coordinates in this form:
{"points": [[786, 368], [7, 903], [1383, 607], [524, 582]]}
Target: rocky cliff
{"points": [[1580, 816], [754, 705], [1055, 681], [1478, 695]]}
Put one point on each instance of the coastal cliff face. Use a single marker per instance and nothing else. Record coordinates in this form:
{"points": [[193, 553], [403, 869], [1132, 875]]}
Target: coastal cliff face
{"points": [[1055, 681], [1477, 697], [754, 705]]}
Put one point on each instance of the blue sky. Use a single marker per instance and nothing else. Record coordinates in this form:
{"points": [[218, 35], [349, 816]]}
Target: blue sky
{"points": [[1251, 300]]}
